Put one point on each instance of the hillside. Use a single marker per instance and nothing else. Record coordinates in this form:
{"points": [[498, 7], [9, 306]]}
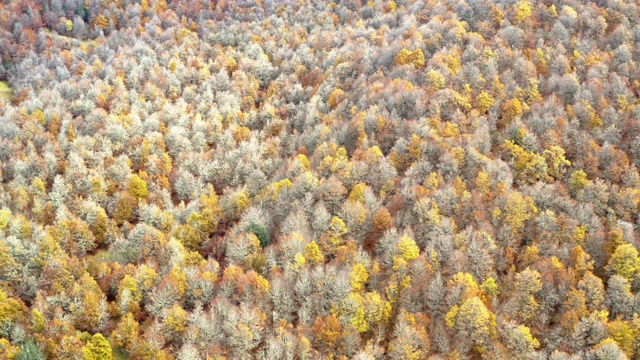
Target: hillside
{"points": [[251, 179]]}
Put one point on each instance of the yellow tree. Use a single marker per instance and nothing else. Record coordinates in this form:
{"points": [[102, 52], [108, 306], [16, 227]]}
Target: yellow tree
{"points": [[97, 349], [138, 187], [556, 162], [10, 313], [510, 111], [473, 321], [484, 102], [529, 166], [517, 210], [358, 277], [313, 254], [175, 322], [126, 333], [625, 262]]}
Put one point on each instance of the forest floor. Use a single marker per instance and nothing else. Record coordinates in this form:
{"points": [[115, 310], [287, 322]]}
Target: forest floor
{"points": [[68, 39], [6, 93]]}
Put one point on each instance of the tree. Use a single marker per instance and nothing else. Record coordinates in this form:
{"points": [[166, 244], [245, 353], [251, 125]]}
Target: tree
{"points": [[415, 58], [519, 341], [175, 323], [605, 350], [97, 349], [619, 298], [625, 262], [408, 248], [524, 11], [313, 254], [336, 97], [529, 166], [327, 332], [261, 233], [473, 321], [409, 341], [556, 162], [138, 187], [484, 102], [381, 222], [126, 333], [510, 111], [29, 351], [10, 313], [517, 210], [358, 277], [622, 333], [7, 350], [578, 181]]}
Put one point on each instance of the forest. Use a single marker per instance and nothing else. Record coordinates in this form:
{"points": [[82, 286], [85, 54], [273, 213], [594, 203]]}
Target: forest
{"points": [[337, 179]]}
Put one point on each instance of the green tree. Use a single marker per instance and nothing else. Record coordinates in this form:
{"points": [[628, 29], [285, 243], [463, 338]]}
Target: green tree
{"points": [[261, 233], [30, 351]]}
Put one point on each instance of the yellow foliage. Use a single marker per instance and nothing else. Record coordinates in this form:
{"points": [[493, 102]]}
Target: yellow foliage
{"points": [[490, 287], [510, 110], [530, 167], [38, 322], [38, 115], [482, 182], [541, 61], [524, 11], [358, 277], [10, 310], [435, 79], [390, 6], [138, 187], [408, 248], [518, 210], [556, 162], [624, 335], [306, 165], [176, 319], [335, 98], [242, 201], [231, 65], [377, 310], [178, 278], [357, 193], [313, 254], [7, 350], [449, 130], [5, 216], [406, 57], [298, 262], [466, 281], [337, 229], [578, 181], [484, 102]]}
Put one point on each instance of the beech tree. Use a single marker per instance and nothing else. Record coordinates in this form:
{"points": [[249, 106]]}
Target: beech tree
{"points": [[401, 179]]}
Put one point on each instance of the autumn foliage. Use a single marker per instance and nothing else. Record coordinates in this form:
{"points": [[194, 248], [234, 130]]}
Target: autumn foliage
{"points": [[402, 179]]}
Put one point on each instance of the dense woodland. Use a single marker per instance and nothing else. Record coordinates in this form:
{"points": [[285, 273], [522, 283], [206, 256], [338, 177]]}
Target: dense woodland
{"points": [[255, 179]]}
